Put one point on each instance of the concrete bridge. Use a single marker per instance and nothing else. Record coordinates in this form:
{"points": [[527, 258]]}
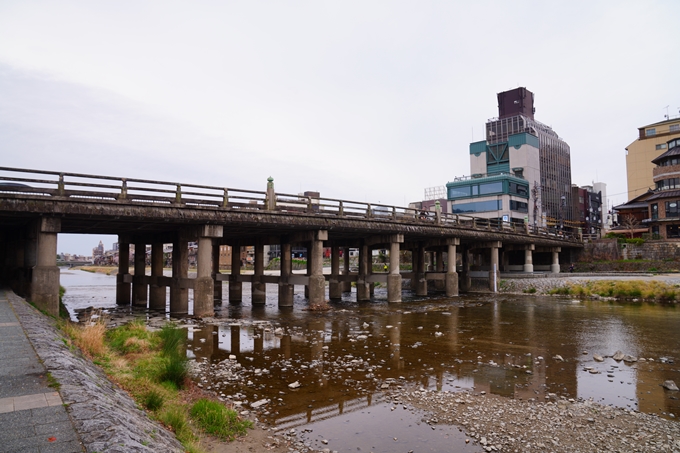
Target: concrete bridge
{"points": [[37, 205]]}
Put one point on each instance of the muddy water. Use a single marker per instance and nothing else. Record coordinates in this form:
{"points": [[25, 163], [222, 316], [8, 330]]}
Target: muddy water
{"points": [[346, 359]]}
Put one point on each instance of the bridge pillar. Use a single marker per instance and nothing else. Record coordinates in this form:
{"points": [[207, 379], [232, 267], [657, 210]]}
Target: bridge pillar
{"points": [[157, 292], [346, 286], [258, 287], [139, 286], [494, 269], [363, 287], [235, 286], [217, 284], [555, 267], [123, 286], [394, 277], [286, 290], [439, 285], [44, 289], [317, 282], [179, 292], [529, 259], [419, 282], [465, 281], [204, 289], [308, 272], [335, 286], [451, 281]]}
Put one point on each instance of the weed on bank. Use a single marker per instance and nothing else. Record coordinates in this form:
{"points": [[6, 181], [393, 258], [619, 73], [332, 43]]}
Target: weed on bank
{"points": [[152, 367], [622, 289]]}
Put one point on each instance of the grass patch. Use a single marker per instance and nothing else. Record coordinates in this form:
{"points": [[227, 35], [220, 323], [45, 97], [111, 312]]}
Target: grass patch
{"points": [[52, 382], [216, 419], [622, 289], [530, 290], [152, 367], [153, 400]]}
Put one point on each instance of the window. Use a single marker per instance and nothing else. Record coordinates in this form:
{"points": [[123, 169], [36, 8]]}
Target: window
{"points": [[490, 188], [519, 206], [661, 146], [674, 128], [651, 131], [672, 231], [655, 211], [671, 209], [478, 206], [459, 192]]}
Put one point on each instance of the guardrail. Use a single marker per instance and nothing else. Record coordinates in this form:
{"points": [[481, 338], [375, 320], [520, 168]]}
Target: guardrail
{"points": [[18, 182]]}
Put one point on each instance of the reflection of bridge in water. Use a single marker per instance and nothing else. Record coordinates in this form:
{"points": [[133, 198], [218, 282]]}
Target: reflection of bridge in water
{"points": [[445, 248]]}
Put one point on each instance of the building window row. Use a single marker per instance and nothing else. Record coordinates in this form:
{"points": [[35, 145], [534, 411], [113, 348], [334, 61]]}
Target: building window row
{"points": [[519, 206], [670, 183], [672, 209], [477, 206]]}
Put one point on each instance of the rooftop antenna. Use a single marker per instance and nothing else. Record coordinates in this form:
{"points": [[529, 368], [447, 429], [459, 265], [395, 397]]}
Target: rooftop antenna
{"points": [[667, 111]]}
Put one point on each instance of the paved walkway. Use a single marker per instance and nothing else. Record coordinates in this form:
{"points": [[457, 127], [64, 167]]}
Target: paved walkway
{"points": [[32, 416]]}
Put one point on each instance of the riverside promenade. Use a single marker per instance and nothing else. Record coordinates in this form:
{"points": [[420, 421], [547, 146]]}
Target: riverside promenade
{"points": [[82, 412], [32, 414]]}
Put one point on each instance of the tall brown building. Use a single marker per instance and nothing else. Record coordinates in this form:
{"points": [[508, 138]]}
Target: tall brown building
{"points": [[516, 115]]}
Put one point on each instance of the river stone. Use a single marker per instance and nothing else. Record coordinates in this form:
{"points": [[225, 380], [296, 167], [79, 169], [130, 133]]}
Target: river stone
{"points": [[259, 403], [598, 358], [294, 385], [670, 385], [629, 358], [618, 356]]}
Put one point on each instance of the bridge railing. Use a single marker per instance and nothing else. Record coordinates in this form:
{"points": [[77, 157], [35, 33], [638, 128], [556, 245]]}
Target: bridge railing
{"points": [[27, 182]]}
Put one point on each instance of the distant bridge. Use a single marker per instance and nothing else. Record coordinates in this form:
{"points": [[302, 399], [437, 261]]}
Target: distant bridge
{"points": [[36, 205]]}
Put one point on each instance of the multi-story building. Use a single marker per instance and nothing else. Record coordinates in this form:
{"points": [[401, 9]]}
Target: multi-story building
{"points": [[664, 204], [651, 142], [521, 172], [587, 206]]}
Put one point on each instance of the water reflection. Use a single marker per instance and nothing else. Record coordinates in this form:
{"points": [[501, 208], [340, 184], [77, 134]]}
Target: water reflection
{"points": [[504, 345]]}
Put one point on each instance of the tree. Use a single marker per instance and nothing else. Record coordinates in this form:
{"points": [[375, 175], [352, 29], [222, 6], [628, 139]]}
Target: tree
{"points": [[630, 223]]}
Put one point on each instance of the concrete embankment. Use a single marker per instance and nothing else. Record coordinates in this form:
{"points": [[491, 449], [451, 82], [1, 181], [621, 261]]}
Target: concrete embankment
{"points": [[104, 416]]}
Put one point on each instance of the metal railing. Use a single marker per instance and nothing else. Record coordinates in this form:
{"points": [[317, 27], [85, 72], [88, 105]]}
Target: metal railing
{"points": [[20, 182]]}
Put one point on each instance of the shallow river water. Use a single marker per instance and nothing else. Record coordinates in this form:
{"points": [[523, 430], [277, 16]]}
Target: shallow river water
{"points": [[345, 358]]}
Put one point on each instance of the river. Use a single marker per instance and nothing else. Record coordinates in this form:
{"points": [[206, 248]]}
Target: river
{"points": [[510, 345]]}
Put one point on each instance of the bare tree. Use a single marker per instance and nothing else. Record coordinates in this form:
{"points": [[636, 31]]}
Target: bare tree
{"points": [[630, 223]]}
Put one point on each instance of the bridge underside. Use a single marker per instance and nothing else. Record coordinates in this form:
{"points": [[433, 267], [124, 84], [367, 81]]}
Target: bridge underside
{"points": [[449, 257]]}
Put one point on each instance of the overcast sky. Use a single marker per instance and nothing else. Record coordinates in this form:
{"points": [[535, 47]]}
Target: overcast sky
{"points": [[369, 101]]}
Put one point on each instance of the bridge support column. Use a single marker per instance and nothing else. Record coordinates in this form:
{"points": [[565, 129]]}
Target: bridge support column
{"points": [[317, 282], [439, 285], [451, 281], [258, 287], [286, 290], [204, 288], [555, 267], [235, 286], [179, 293], [394, 277], [363, 287], [217, 284], [346, 286], [529, 259], [494, 269], [419, 283], [157, 292], [44, 290], [335, 286], [140, 290], [123, 287], [310, 263], [465, 282]]}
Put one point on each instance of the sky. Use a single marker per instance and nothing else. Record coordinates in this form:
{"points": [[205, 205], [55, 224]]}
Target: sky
{"points": [[369, 101]]}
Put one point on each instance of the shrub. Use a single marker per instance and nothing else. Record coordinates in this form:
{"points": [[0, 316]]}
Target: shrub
{"points": [[216, 419], [174, 370]]}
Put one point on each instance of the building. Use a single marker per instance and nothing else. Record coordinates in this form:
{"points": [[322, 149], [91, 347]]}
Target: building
{"points": [[664, 205], [521, 172], [588, 206], [651, 142]]}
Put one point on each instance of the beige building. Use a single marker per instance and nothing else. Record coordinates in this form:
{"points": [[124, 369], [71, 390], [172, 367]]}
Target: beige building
{"points": [[650, 144]]}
